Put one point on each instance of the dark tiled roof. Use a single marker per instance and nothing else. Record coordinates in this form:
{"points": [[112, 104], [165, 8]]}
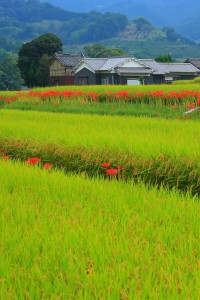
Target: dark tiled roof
{"points": [[70, 60], [151, 63], [194, 61], [95, 63], [107, 64], [179, 67], [134, 70], [112, 63]]}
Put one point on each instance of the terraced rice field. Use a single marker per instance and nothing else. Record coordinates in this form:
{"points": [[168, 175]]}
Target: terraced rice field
{"points": [[98, 206]]}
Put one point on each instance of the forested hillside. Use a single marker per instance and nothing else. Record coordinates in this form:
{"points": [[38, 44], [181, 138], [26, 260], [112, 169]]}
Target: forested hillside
{"points": [[22, 21], [183, 15]]}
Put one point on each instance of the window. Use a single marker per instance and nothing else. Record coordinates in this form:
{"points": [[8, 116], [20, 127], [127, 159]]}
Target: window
{"points": [[105, 80], [133, 81], [83, 80]]}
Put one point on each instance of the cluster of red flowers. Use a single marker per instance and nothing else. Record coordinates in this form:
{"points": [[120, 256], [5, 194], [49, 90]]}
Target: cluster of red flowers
{"points": [[31, 161], [179, 95], [111, 171], [61, 94], [193, 96], [10, 99], [122, 94], [35, 160]]}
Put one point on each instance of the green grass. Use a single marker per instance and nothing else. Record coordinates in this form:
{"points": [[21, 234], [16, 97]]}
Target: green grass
{"points": [[68, 237], [123, 109]]}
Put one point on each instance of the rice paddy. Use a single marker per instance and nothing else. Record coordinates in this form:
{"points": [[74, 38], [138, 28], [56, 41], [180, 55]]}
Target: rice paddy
{"points": [[69, 237], [100, 206]]}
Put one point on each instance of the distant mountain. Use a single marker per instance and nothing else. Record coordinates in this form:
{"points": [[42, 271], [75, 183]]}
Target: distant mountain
{"points": [[183, 15], [24, 20]]}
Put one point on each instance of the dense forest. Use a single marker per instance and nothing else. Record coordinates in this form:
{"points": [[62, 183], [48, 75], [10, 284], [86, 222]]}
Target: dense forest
{"points": [[183, 15], [21, 21]]}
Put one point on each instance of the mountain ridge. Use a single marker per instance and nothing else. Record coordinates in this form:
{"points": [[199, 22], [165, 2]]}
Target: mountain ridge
{"points": [[22, 21], [175, 13]]}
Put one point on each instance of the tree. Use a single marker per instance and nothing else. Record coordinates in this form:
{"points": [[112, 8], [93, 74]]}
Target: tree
{"points": [[30, 60], [43, 69], [143, 24], [98, 50], [164, 58], [171, 34], [10, 78]]}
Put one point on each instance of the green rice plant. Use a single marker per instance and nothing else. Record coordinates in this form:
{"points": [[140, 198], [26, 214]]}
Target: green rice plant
{"points": [[69, 237], [146, 136], [147, 149], [118, 88]]}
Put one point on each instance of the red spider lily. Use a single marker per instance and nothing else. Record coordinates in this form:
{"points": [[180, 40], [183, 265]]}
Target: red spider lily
{"points": [[33, 161], [105, 165], [173, 106], [93, 96], [72, 93], [158, 93], [112, 171], [6, 157], [139, 95], [10, 99], [67, 93], [198, 101], [47, 166], [122, 94]]}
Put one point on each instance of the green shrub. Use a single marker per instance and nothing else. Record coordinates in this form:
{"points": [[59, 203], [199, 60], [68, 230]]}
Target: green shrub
{"points": [[197, 80]]}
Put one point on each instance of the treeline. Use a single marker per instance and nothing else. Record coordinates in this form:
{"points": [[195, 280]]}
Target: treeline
{"points": [[10, 77], [21, 21]]}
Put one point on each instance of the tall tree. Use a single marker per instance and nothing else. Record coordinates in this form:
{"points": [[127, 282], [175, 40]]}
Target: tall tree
{"points": [[98, 50], [29, 58]]}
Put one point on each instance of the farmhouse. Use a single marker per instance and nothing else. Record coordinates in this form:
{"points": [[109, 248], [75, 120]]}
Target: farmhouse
{"points": [[177, 71], [195, 62], [74, 69], [130, 71], [116, 70], [61, 68]]}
